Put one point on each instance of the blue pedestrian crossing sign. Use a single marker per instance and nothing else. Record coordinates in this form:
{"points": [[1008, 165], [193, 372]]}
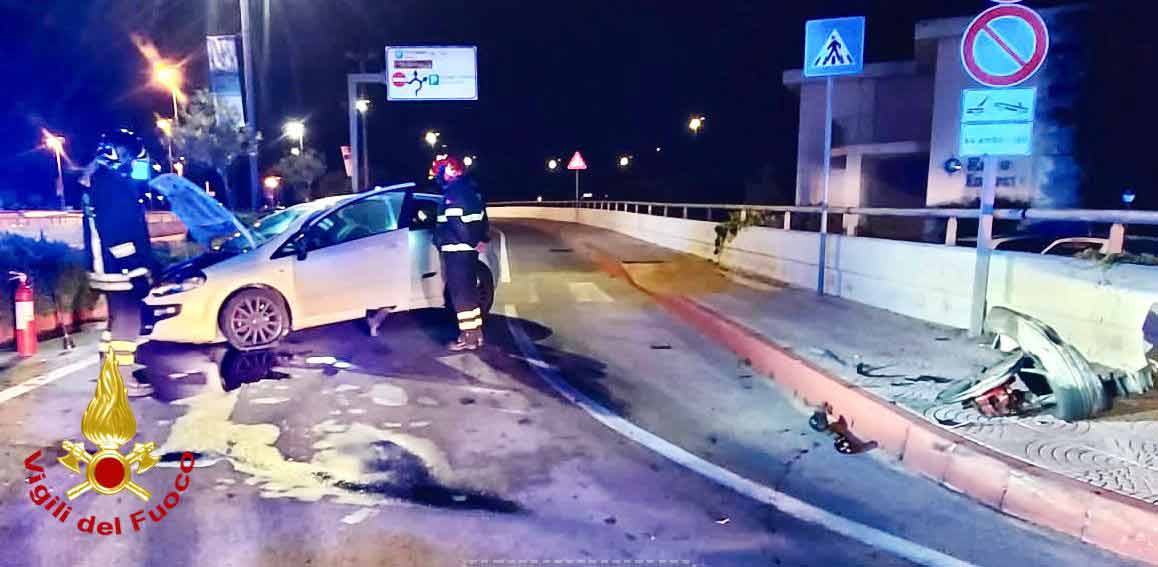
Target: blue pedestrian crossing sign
{"points": [[834, 47]]}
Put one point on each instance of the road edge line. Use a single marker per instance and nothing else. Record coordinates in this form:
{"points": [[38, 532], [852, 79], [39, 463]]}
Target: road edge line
{"points": [[12, 392], [786, 504]]}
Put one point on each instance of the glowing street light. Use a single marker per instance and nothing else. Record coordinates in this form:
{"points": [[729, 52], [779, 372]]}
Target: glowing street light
{"points": [[56, 144], [624, 161], [295, 151], [696, 123], [431, 138], [271, 182], [553, 164], [296, 130], [468, 161], [168, 76], [362, 105]]}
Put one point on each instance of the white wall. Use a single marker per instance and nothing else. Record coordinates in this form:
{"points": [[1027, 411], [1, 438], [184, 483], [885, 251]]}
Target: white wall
{"points": [[1100, 311]]}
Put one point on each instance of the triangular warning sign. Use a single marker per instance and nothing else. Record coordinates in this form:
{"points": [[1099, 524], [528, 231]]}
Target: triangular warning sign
{"points": [[577, 162], [833, 53]]}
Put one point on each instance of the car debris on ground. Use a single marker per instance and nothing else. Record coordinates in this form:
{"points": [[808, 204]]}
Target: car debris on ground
{"points": [[1044, 372]]}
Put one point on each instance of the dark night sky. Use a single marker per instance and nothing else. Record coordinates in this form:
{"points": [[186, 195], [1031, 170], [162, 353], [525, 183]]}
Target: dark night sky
{"points": [[608, 77]]}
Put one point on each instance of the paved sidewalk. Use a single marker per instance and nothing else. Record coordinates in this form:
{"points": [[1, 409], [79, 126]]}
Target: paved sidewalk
{"points": [[885, 359]]}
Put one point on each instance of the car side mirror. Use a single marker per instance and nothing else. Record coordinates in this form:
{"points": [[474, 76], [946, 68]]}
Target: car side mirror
{"points": [[299, 246]]}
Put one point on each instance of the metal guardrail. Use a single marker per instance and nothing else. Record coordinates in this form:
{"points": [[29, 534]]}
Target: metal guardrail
{"points": [[1118, 219]]}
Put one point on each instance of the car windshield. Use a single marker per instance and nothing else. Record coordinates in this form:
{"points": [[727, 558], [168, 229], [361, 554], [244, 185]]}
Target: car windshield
{"points": [[268, 227]]}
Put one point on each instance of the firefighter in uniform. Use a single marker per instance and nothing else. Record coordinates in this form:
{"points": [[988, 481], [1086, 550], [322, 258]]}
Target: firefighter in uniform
{"points": [[116, 237], [462, 225]]}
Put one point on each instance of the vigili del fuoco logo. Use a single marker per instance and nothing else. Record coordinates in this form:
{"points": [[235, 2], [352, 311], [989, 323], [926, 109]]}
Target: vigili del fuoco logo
{"points": [[108, 424]]}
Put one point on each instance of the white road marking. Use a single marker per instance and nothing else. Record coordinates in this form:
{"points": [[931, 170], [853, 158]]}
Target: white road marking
{"points": [[798, 509], [588, 292], [504, 258], [43, 380]]}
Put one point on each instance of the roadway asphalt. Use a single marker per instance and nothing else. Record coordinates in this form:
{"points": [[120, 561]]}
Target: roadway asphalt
{"points": [[336, 448]]}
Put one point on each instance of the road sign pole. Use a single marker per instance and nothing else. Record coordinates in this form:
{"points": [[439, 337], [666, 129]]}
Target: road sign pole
{"points": [[984, 239], [355, 144], [827, 159]]}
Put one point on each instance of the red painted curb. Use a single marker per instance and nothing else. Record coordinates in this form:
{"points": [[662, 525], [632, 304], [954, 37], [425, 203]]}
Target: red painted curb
{"points": [[1108, 520]]}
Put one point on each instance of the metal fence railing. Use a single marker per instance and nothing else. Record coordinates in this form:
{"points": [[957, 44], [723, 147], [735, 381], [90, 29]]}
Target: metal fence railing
{"points": [[850, 217]]}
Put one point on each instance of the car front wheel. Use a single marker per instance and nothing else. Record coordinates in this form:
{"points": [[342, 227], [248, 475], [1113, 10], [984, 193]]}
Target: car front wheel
{"points": [[254, 318]]}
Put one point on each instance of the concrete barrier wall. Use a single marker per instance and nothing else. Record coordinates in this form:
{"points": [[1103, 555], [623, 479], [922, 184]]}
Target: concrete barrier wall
{"points": [[66, 226], [1099, 309]]}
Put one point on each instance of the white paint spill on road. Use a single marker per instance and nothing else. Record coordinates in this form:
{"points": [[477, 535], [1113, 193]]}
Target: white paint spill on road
{"points": [[359, 516], [504, 258], [798, 509], [343, 453], [22, 388], [388, 395], [321, 360], [588, 292], [268, 401]]}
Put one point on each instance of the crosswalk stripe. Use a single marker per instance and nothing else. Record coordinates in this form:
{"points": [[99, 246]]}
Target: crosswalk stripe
{"points": [[588, 292]]}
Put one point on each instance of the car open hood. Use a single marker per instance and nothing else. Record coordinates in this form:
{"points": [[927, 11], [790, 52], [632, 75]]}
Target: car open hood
{"points": [[204, 216]]}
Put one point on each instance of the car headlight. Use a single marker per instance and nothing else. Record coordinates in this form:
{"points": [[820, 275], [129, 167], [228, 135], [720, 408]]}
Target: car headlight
{"points": [[187, 284]]}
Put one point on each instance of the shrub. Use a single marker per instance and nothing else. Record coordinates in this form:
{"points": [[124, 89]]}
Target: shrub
{"points": [[56, 271]]}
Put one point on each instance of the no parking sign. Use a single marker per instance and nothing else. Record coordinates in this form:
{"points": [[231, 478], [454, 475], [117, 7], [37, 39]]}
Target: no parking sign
{"points": [[1004, 45]]}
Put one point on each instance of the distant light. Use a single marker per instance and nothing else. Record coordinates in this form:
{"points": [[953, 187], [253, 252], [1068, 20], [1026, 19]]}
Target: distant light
{"points": [[696, 123], [294, 130], [165, 125], [539, 199], [1128, 197], [468, 161], [362, 105], [552, 164], [271, 182], [658, 149], [53, 142], [587, 195], [431, 138], [624, 161], [296, 151], [156, 167]]}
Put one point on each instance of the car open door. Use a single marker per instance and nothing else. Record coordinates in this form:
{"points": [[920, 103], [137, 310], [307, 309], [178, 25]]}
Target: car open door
{"points": [[426, 283], [355, 258]]}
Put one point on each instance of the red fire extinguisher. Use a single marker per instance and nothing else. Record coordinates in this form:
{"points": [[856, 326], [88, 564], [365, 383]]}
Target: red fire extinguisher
{"points": [[25, 316]]}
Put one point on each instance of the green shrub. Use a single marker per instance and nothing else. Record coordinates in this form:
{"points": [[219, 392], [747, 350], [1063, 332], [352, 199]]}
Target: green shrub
{"points": [[54, 269]]}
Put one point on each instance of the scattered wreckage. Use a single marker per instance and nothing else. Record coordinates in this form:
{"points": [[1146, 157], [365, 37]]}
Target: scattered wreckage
{"points": [[1042, 372]]}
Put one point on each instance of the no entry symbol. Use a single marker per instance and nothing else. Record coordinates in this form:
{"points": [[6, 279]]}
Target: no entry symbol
{"points": [[1005, 45], [398, 78]]}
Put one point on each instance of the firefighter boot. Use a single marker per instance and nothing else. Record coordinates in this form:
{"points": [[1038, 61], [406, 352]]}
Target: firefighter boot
{"points": [[468, 340]]}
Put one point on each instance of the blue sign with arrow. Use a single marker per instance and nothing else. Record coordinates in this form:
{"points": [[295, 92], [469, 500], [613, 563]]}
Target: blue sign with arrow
{"points": [[834, 47]]}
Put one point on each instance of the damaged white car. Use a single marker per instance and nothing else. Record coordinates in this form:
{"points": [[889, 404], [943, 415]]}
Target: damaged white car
{"points": [[325, 261]]}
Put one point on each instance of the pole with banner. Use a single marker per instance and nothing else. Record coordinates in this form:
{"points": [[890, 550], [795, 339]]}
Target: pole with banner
{"points": [[832, 48]]}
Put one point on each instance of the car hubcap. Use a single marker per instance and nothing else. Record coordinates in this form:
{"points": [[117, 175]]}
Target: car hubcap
{"points": [[256, 321]]}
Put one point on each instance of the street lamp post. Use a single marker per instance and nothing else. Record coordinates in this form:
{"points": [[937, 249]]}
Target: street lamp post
{"points": [[56, 144], [362, 105], [168, 76], [166, 127]]}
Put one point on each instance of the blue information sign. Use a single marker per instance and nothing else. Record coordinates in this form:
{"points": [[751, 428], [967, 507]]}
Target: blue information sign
{"points": [[834, 47]]}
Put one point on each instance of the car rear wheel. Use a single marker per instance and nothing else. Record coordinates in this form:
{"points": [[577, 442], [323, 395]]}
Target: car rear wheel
{"points": [[254, 318]]}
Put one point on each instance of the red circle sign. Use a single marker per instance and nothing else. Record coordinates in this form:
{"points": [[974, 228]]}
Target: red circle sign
{"points": [[398, 78], [1011, 48]]}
